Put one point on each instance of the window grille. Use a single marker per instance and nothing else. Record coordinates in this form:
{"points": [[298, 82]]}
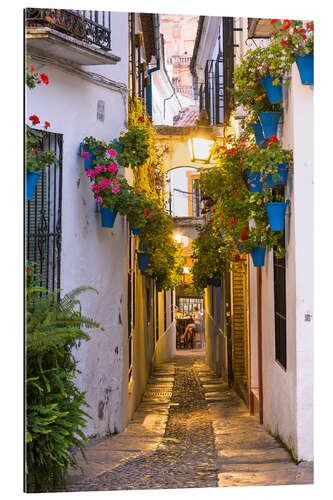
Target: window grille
{"points": [[280, 311], [43, 218], [186, 305], [215, 92]]}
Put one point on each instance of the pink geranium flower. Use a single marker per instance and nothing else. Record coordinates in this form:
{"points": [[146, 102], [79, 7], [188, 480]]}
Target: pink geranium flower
{"points": [[112, 152]]}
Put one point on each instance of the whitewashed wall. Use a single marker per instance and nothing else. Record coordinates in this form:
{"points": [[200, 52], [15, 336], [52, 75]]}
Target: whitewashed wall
{"points": [[91, 255], [288, 394]]}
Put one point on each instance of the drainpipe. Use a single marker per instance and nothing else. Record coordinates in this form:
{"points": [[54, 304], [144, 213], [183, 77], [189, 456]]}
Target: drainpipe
{"points": [[156, 27], [259, 309], [249, 378]]}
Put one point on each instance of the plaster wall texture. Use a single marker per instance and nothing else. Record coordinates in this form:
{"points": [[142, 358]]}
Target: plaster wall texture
{"points": [[179, 180], [165, 103], [288, 394], [91, 255], [166, 345]]}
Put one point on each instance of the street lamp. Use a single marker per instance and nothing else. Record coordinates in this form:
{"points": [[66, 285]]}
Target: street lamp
{"points": [[201, 141], [178, 237]]}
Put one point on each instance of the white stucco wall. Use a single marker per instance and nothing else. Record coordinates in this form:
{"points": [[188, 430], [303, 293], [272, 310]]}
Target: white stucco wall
{"points": [[91, 255], [288, 394]]}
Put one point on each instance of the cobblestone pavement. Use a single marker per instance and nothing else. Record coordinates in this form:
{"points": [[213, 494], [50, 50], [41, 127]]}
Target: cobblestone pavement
{"points": [[190, 430]]}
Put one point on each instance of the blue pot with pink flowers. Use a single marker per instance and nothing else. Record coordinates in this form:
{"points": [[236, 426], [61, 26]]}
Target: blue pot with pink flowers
{"points": [[88, 156], [31, 182], [108, 217], [305, 68], [269, 121], [274, 92], [279, 177], [258, 256]]}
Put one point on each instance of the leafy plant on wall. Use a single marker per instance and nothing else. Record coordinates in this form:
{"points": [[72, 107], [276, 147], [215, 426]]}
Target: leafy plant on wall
{"points": [[54, 405]]}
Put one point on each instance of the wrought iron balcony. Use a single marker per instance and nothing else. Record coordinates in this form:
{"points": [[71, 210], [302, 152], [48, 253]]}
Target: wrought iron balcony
{"points": [[87, 25]]}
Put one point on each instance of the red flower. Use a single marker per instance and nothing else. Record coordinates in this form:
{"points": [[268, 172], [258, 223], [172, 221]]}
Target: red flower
{"points": [[244, 233], [213, 209], [141, 119], [303, 30], [222, 217], [34, 119], [273, 138], [32, 68], [237, 257], [45, 78], [273, 21], [254, 147], [149, 119], [236, 196], [304, 37], [47, 125], [233, 222]]}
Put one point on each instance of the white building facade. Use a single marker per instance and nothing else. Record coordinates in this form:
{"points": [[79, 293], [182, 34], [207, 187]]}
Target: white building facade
{"points": [[87, 95]]}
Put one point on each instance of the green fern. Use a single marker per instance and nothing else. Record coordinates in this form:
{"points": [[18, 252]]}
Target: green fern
{"points": [[54, 414]]}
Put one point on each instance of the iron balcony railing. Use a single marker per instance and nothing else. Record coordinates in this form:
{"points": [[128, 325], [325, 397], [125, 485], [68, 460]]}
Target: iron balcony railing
{"points": [[90, 26]]}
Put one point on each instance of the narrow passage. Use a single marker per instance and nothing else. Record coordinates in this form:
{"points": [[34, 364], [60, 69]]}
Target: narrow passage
{"points": [[190, 431], [185, 457]]}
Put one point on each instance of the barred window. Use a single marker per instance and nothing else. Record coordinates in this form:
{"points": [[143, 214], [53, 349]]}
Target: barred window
{"points": [[43, 218]]}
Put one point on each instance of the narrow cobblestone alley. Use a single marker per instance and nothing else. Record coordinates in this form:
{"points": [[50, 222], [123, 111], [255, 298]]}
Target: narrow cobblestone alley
{"points": [[190, 431]]}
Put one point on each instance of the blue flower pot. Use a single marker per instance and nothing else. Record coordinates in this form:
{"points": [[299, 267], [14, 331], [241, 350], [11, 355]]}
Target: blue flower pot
{"points": [[214, 281], [281, 176], [32, 179], [269, 121], [240, 247], [254, 182], [143, 260], [274, 92], [136, 231], [142, 247], [88, 159], [260, 139], [108, 217], [305, 68], [258, 256], [223, 235], [276, 212]]}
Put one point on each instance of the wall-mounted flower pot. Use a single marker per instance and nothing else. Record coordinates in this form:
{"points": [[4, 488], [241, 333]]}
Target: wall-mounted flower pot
{"points": [[238, 245], [269, 121], [258, 256], [305, 68], [280, 177], [31, 182], [274, 92], [254, 183], [276, 212], [136, 231], [214, 281], [142, 246], [260, 139], [108, 217], [143, 260], [89, 158]]}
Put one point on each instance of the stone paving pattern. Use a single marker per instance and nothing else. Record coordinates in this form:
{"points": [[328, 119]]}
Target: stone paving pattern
{"points": [[190, 430]]}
